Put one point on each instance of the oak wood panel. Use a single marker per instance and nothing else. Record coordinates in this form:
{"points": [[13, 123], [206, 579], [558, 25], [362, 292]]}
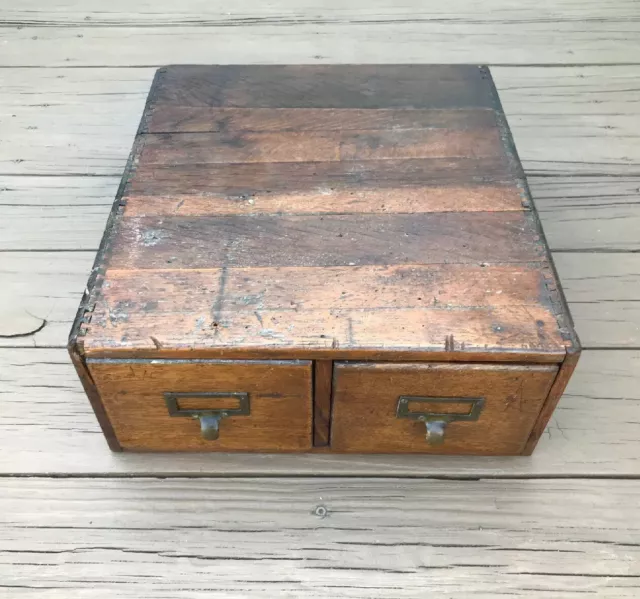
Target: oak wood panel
{"points": [[240, 179], [356, 538], [355, 240], [329, 200], [280, 395], [323, 86], [600, 289], [365, 399], [560, 383], [376, 309], [430, 40], [47, 427], [569, 119], [386, 143], [202, 119], [583, 213]]}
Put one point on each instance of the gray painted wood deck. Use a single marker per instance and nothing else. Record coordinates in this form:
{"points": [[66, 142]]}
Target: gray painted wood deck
{"points": [[79, 521]]}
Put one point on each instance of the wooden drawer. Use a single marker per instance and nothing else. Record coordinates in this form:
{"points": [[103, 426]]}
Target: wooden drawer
{"points": [[139, 395], [377, 407]]}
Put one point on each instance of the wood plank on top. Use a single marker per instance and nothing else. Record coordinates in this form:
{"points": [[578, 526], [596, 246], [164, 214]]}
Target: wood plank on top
{"points": [[323, 86], [241, 180], [568, 119], [584, 213], [176, 149], [47, 427], [599, 287], [207, 119], [450, 308], [360, 538], [178, 242]]}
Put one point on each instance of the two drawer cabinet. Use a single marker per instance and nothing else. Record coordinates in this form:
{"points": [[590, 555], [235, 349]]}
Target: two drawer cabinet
{"points": [[219, 405], [324, 258]]}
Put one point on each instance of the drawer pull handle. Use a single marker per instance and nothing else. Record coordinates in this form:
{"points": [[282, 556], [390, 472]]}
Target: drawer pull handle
{"points": [[209, 419], [436, 422]]}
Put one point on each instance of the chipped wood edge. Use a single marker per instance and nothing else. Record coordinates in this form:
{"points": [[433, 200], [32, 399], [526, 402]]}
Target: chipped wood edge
{"points": [[87, 304], [94, 397], [557, 300], [96, 278]]}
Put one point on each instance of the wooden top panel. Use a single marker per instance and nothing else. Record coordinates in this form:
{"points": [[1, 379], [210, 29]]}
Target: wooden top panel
{"points": [[335, 211]]}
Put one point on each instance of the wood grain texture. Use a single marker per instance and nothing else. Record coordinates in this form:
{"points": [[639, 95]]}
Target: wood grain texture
{"points": [[366, 398], [323, 86], [280, 395], [322, 390], [208, 119], [381, 310], [89, 386], [601, 289], [48, 427], [240, 179], [560, 383], [593, 213], [331, 200], [578, 213], [346, 240], [385, 143], [143, 14], [308, 39], [569, 119], [301, 537]]}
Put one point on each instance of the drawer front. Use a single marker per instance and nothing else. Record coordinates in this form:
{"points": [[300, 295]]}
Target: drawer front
{"points": [[461, 408], [207, 405]]}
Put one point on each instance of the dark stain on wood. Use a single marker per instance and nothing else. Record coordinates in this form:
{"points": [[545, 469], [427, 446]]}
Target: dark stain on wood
{"points": [[330, 213]]}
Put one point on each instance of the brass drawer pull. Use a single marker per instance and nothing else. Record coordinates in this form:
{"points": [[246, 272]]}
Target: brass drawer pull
{"points": [[435, 422], [209, 419]]}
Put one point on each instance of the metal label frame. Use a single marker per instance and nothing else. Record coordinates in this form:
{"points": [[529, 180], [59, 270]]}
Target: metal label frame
{"points": [[244, 407], [476, 403]]}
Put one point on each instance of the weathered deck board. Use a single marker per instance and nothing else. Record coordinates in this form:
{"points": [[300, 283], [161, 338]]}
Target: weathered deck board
{"points": [[601, 290], [82, 121], [309, 39], [306, 537], [47, 427], [166, 13]]}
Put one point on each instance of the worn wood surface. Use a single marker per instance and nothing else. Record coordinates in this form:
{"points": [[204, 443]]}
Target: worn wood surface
{"points": [[303, 537], [63, 213], [601, 289], [460, 32], [573, 119], [156, 265], [365, 402], [280, 417], [568, 120], [344, 310]]}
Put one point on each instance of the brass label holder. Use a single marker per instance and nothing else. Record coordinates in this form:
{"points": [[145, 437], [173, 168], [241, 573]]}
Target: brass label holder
{"points": [[209, 419], [436, 422]]}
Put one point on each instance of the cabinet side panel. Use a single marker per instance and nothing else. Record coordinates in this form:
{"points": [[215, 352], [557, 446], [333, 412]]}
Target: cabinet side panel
{"points": [[94, 398], [557, 389]]}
